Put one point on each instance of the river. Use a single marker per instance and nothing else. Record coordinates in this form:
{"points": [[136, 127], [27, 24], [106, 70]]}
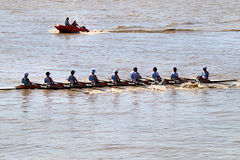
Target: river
{"points": [[150, 122]]}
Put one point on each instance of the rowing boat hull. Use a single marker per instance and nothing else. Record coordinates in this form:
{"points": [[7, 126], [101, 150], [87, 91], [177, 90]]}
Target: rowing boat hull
{"points": [[82, 85], [28, 87]]}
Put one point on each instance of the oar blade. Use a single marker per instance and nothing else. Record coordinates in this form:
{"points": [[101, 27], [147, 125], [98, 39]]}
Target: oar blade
{"points": [[7, 88]]}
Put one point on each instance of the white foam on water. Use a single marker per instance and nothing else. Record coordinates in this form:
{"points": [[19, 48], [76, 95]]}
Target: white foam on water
{"points": [[134, 88], [218, 86], [189, 85], [93, 91], [237, 84], [157, 87], [94, 32], [103, 90], [53, 31], [127, 27], [114, 90], [196, 85]]}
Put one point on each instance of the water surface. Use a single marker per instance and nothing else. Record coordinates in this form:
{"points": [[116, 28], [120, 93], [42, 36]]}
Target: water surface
{"points": [[154, 122]]}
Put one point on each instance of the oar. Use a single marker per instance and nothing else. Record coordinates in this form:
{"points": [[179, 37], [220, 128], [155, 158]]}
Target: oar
{"points": [[60, 83], [105, 81], [7, 88], [126, 81], [220, 81], [85, 82], [34, 83], [150, 80]]}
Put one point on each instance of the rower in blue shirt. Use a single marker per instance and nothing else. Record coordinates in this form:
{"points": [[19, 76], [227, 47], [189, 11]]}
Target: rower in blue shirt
{"points": [[174, 75], [93, 78], [205, 73], [115, 77], [48, 79], [72, 79], [135, 76], [155, 75], [25, 80], [204, 76]]}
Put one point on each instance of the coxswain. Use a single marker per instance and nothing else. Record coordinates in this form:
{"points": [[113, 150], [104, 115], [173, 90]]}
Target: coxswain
{"points": [[93, 78], [204, 76], [48, 79], [115, 77], [135, 76], [174, 75], [67, 22], [25, 80], [155, 75], [72, 79]]}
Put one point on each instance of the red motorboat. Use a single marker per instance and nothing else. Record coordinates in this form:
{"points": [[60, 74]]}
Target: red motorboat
{"points": [[70, 29]]}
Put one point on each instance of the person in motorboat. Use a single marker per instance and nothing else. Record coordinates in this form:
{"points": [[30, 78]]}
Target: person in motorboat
{"points": [[72, 79], [174, 75], [115, 77], [93, 78], [135, 76], [25, 80], [67, 22], [155, 75], [48, 80], [204, 76], [75, 24]]}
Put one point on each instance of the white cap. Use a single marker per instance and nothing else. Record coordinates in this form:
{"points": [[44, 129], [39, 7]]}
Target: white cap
{"points": [[93, 70], [25, 74], [205, 67]]}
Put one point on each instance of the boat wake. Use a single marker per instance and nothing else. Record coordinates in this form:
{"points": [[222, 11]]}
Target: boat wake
{"points": [[137, 29], [112, 90], [157, 88], [164, 29], [229, 30], [53, 31], [196, 85], [160, 88], [237, 84], [94, 32]]}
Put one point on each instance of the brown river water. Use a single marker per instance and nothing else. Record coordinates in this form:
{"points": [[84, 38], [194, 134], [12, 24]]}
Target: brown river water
{"points": [[149, 122]]}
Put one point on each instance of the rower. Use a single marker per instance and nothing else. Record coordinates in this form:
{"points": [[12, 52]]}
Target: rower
{"points": [[174, 75], [204, 76], [67, 22], [72, 79], [135, 76], [115, 77], [205, 73], [48, 79], [25, 80], [93, 78], [155, 75]]}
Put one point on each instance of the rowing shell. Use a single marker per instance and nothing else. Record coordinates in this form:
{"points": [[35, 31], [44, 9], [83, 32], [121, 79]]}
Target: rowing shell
{"points": [[81, 85]]}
